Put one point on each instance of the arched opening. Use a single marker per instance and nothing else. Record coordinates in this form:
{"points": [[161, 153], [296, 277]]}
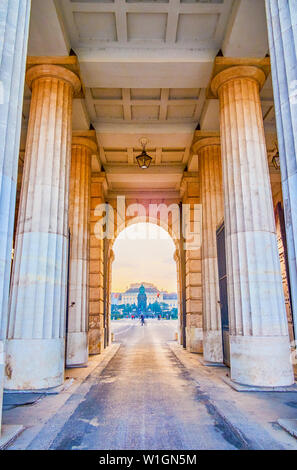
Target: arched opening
{"points": [[144, 282]]}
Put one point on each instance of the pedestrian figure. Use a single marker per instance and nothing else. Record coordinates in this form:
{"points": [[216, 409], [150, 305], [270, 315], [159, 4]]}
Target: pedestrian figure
{"points": [[142, 319]]}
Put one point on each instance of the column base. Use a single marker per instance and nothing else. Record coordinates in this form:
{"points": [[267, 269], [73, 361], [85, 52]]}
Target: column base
{"points": [[34, 363], [289, 425], [9, 433], [262, 361], [252, 388], [212, 346], [77, 349], [194, 339]]}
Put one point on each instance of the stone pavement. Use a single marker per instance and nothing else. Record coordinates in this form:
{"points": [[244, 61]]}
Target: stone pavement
{"points": [[145, 392]]}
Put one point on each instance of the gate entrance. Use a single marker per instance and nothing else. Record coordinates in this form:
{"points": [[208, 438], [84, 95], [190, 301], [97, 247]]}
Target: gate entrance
{"points": [[283, 253], [223, 292]]}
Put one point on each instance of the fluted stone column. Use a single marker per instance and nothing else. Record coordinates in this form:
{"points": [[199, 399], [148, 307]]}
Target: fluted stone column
{"points": [[36, 329], [79, 209], [210, 167], [282, 32], [14, 25], [259, 343]]}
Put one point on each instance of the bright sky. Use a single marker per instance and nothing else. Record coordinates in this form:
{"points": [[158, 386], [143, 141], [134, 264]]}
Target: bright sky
{"points": [[144, 253]]}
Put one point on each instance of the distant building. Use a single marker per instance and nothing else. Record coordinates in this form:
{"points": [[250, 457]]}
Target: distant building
{"points": [[153, 294], [170, 299]]}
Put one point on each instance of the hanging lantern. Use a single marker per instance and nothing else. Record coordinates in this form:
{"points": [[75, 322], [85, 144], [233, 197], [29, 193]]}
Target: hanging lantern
{"points": [[276, 162], [143, 160]]}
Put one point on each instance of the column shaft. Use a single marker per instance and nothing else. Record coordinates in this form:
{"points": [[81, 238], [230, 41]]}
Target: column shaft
{"points": [[213, 212], [282, 32], [14, 25], [36, 329], [79, 208], [259, 345]]}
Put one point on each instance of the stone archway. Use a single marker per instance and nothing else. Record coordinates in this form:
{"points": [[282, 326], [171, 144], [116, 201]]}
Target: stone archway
{"points": [[166, 214], [176, 258]]}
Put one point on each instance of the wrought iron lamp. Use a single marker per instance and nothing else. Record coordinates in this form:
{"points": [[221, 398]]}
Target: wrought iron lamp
{"points": [[143, 160], [275, 159]]}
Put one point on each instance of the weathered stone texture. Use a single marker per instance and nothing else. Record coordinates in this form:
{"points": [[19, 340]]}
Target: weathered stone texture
{"points": [[96, 306], [259, 345], [36, 328], [282, 32], [14, 26], [193, 270]]}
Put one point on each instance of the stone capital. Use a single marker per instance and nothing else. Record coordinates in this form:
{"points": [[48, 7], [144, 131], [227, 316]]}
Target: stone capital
{"points": [[189, 178], [53, 71], [99, 177], [85, 142], [202, 140], [248, 72]]}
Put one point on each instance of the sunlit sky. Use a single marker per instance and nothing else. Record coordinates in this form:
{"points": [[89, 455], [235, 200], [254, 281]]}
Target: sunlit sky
{"points": [[144, 253]]}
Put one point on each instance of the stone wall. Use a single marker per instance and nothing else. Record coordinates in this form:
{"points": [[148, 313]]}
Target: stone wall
{"points": [[194, 331], [96, 301]]}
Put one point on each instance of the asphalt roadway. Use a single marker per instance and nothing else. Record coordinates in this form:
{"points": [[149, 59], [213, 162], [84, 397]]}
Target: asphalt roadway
{"points": [[144, 399]]}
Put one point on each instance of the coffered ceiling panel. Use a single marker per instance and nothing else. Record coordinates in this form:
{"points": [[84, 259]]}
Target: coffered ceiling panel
{"points": [[184, 93], [109, 112], [180, 112], [145, 66], [145, 104], [124, 22], [146, 26], [92, 26], [106, 93], [145, 113], [193, 27], [145, 93]]}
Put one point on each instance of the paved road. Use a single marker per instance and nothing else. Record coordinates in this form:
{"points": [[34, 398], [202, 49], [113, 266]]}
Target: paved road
{"points": [[145, 399]]}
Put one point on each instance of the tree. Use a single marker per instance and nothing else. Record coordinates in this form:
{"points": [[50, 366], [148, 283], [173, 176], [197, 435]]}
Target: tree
{"points": [[155, 307]]}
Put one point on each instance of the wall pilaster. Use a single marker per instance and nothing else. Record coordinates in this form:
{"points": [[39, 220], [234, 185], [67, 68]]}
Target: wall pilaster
{"points": [[179, 294], [96, 270], [193, 260]]}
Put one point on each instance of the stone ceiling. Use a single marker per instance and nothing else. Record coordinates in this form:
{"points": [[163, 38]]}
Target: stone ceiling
{"points": [[145, 66]]}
